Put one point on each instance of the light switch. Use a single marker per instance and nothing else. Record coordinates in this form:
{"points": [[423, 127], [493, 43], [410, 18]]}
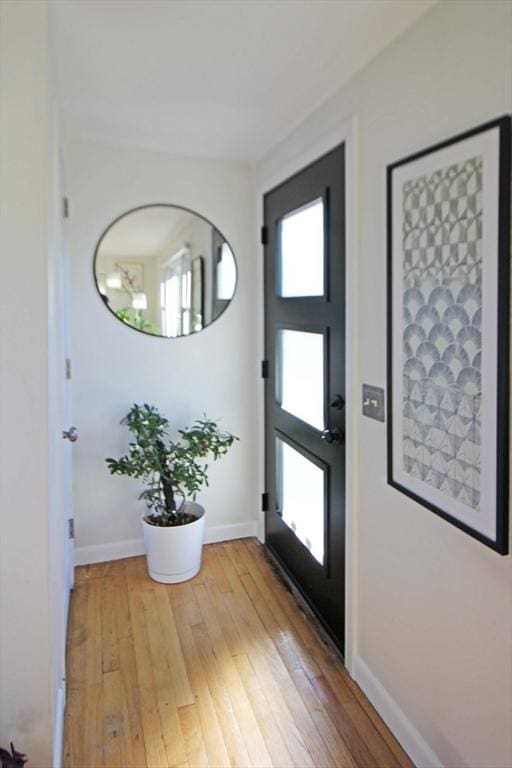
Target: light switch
{"points": [[373, 402]]}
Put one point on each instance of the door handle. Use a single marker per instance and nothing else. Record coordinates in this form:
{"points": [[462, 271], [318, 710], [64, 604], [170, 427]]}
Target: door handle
{"points": [[70, 434], [338, 403], [333, 436]]}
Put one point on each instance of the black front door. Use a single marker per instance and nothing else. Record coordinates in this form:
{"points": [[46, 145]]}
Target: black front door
{"points": [[304, 220]]}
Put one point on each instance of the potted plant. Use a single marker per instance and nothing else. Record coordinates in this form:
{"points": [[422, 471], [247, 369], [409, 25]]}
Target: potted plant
{"points": [[173, 526]]}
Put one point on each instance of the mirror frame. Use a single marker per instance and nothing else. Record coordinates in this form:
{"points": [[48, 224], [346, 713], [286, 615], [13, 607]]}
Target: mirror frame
{"points": [[161, 205]]}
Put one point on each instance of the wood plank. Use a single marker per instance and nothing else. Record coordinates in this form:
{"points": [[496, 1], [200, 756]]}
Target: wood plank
{"points": [[93, 726], [272, 735], [73, 748], [233, 739], [122, 607], [210, 728], [302, 719], [341, 684], [381, 753], [153, 739], [225, 619], [294, 653], [76, 644], [93, 655], [312, 739], [166, 700], [81, 575], [215, 574], [108, 569], [281, 636], [284, 606], [93, 709], [227, 671], [268, 673], [402, 757], [182, 596], [357, 747], [324, 724], [236, 550], [109, 647], [135, 748], [113, 723], [176, 663], [194, 743]]}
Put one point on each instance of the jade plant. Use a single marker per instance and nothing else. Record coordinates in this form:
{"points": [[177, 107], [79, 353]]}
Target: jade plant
{"points": [[171, 470]]}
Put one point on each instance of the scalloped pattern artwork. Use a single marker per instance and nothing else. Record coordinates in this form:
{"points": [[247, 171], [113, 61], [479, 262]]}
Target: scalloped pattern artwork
{"points": [[442, 304]]}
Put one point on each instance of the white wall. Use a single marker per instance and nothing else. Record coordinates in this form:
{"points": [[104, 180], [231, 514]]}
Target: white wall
{"points": [[32, 603], [434, 606], [214, 371]]}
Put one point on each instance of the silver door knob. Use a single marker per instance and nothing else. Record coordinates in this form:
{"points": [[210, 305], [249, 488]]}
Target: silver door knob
{"points": [[70, 434], [332, 436]]}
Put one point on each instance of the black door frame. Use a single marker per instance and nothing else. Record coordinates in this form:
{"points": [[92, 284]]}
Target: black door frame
{"points": [[315, 312]]}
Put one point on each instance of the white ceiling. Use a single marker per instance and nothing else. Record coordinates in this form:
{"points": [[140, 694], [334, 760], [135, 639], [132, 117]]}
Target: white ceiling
{"points": [[218, 78]]}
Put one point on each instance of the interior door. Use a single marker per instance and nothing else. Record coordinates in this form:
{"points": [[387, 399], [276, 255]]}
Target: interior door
{"points": [[61, 543], [69, 432], [304, 235]]}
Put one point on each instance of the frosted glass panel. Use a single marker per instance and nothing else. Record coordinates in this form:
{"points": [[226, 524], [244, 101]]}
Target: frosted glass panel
{"points": [[300, 371], [301, 497], [302, 251]]}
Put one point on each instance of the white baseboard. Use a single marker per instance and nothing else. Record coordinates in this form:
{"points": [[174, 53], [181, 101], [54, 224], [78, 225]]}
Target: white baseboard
{"points": [[58, 733], [228, 532], [404, 731], [102, 553]]}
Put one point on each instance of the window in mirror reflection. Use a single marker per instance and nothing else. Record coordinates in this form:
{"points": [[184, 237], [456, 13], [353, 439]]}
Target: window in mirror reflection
{"points": [[165, 270], [226, 273]]}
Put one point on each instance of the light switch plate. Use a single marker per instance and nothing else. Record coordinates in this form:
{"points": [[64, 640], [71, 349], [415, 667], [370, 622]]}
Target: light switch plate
{"points": [[373, 402]]}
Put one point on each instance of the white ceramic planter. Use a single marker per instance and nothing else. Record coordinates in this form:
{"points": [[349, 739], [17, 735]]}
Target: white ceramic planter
{"points": [[174, 554]]}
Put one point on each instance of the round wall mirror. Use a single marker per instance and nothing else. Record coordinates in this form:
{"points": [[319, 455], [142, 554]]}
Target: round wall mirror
{"points": [[164, 270]]}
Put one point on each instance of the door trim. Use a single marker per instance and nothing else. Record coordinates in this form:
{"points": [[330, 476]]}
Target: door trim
{"points": [[348, 134]]}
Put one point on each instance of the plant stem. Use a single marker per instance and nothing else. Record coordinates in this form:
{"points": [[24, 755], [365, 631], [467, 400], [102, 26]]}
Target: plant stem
{"points": [[165, 479]]}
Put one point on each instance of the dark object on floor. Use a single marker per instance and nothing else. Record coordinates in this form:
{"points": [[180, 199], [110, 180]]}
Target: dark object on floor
{"points": [[12, 759]]}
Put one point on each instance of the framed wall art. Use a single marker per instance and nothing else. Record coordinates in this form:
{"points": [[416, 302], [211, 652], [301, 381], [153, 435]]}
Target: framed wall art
{"points": [[448, 329]]}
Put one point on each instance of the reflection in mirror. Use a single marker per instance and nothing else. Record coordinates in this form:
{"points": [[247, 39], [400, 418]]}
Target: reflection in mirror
{"points": [[165, 270]]}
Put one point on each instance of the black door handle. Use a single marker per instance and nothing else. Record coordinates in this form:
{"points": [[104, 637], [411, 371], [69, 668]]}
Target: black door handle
{"points": [[333, 436], [338, 403]]}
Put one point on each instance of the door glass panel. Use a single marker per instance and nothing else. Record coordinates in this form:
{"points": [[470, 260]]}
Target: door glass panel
{"points": [[301, 497], [300, 375], [301, 267]]}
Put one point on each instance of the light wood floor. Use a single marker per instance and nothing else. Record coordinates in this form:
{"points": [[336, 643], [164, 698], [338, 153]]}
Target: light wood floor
{"points": [[223, 670]]}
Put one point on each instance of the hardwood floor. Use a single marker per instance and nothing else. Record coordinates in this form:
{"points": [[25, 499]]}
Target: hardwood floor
{"points": [[223, 670]]}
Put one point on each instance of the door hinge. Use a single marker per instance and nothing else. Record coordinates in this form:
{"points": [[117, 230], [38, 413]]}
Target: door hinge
{"points": [[65, 207], [264, 235], [264, 369], [68, 368], [264, 502], [71, 528]]}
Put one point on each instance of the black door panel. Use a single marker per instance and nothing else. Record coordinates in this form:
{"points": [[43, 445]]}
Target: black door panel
{"points": [[291, 441]]}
